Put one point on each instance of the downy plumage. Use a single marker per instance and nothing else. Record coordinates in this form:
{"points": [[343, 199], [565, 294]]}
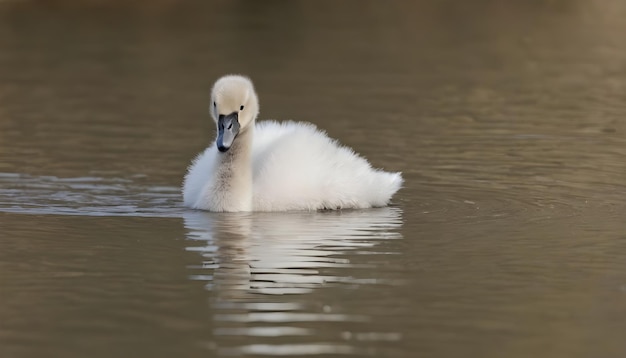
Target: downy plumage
{"points": [[271, 166]]}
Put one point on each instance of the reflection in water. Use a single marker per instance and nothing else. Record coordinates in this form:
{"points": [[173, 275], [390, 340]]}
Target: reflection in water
{"points": [[257, 266]]}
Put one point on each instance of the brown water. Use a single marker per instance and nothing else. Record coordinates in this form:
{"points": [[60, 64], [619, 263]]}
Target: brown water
{"points": [[507, 119]]}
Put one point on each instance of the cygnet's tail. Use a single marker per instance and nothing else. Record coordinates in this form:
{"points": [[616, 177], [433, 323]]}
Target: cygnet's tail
{"points": [[387, 184]]}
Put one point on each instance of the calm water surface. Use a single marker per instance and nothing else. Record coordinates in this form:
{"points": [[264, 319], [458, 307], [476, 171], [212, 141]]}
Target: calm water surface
{"points": [[507, 120]]}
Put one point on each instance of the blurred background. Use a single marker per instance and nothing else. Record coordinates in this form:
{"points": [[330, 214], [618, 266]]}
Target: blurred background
{"points": [[507, 119]]}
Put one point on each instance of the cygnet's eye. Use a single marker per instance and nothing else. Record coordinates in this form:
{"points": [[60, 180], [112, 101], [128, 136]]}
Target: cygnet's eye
{"points": [[214, 104], [241, 108]]}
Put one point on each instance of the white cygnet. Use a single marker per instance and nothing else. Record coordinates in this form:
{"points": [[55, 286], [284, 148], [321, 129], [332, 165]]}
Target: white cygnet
{"points": [[272, 166]]}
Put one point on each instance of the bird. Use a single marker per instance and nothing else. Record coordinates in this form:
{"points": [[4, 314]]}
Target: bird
{"points": [[277, 166]]}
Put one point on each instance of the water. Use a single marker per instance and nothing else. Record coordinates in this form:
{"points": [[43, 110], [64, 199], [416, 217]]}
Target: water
{"points": [[507, 121]]}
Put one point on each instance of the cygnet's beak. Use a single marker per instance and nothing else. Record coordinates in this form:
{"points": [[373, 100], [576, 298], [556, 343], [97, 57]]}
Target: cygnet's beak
{"points": [[227, 129]]}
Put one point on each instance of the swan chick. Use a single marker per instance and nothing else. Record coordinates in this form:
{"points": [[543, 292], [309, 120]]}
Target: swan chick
{"points": [[272, 166]]}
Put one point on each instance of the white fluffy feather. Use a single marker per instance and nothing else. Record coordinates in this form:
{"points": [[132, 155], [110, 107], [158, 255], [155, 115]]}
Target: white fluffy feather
{"points": [[293, 166]]}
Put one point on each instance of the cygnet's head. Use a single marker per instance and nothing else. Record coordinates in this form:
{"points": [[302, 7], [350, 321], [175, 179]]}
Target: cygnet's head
{"points": [[234, 107]]}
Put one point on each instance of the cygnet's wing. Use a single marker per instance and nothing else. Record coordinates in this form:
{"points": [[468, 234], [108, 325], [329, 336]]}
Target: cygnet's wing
{"points": [[297, 167]]}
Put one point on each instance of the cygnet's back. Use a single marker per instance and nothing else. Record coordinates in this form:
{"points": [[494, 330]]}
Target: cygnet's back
{"points": [[298, 167]]}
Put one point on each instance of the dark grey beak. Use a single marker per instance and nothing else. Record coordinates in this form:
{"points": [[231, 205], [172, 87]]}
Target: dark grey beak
{"points": [[227, 129]]}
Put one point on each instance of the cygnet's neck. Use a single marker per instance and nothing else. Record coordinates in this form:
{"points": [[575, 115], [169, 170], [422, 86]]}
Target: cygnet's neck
{"points": [[234, 174]]}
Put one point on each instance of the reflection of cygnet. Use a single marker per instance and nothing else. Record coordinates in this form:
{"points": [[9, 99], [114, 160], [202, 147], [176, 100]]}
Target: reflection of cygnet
{"points": [[273, 166], [284, 253]]}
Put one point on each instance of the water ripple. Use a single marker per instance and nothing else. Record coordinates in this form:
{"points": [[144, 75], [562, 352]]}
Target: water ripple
{"points": [[258, 267], [86, 196]]}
